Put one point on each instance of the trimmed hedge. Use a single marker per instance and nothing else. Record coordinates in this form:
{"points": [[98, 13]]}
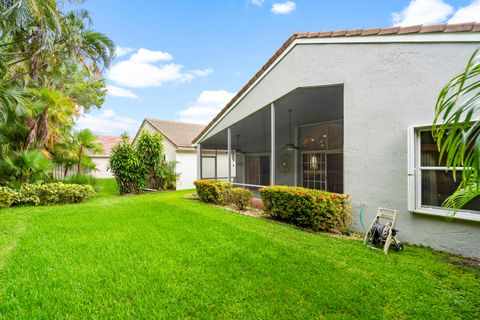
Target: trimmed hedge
{"points": [[211, 191], [6, 197], [45, 194], [303, 207], [240, 197]]}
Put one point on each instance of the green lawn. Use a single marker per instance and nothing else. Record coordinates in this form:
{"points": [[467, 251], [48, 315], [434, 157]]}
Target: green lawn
{"points": [[162, 256]]}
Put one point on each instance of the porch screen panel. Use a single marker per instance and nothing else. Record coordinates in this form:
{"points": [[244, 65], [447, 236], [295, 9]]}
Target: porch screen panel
{"points": [[321, 148], [208, 167]]}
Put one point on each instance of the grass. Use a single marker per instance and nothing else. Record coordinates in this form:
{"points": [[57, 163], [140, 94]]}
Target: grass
{"points": [[161, 256]]}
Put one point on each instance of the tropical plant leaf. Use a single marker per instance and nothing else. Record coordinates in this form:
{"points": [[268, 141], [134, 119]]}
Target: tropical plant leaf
{"points": [[457, 130]]}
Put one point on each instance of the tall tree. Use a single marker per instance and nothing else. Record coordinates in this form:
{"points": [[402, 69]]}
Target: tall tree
{"points": [[49, 62]]}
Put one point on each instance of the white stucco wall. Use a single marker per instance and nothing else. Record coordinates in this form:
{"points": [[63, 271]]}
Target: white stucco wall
{"points": [[187, 168], [101, 162], [387, 88]]}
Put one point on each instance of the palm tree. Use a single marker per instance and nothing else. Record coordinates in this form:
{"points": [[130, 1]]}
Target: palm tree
{"points": [[457, 130], [27, 164], [84, 141], [38, 46]]}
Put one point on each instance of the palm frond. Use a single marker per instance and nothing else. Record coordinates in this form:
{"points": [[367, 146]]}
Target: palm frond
{"points": [[457, 125]]}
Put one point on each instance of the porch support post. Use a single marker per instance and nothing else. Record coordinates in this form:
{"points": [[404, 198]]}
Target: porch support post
{"points": [[216, 153], [199, 161], [272, 146], [229, 153]]}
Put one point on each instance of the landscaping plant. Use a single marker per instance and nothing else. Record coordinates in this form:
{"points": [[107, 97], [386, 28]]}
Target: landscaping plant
{"points": [[240, 197], [6, 197], [26, 165], [81, 179], [45, 194], [316, 209], [51, 65], [127, 168], [457, 130], [150, 151], [211, 191]]}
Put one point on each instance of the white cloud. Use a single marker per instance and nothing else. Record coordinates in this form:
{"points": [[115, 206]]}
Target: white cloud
{"points": [[121, 51], [149, 56], [284, 7], [258, 2], [202, 73], [422, 12], [142, 71], [144, 75], [120, 92], [208, 104], [470, 13], [107, 122]]}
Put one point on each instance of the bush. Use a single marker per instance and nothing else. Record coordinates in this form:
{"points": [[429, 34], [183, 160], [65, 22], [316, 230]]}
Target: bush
{"points": [[82, 179], [52, 193], [6, 197], [315, 209], [150, 151], [211, 191], [127, 167], [240, 197]]}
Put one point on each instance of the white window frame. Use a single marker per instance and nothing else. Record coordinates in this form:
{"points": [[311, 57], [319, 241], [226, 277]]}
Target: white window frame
{"points": [[414, 181]]}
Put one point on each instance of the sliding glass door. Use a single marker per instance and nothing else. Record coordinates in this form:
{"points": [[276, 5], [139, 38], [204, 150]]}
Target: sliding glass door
{"points": [[258, 170]]}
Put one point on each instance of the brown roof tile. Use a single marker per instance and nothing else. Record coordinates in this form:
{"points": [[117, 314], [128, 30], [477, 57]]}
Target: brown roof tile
{"points": [[354, 32], [410, 29], [179, 133], [372, 31], [108, 142], [461, 27], [392, 30], [434, 28]]}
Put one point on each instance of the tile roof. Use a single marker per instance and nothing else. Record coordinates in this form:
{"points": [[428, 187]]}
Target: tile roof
{"points": [[179, 133], [108, 142], [418, 29]]}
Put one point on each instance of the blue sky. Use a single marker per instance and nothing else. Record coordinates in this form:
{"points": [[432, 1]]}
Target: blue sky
{"points": [[183, 60]]}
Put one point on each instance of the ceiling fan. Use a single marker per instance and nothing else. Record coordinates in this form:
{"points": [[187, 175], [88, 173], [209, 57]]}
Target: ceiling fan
{"points": [[290, 146], [238, 150]]}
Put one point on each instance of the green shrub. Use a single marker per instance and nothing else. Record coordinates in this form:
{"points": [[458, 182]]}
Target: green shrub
{"points": [[127, 168], [315, 209], [211, 191], [240, 197], [81, 179], [52, 193], [6, 197]]}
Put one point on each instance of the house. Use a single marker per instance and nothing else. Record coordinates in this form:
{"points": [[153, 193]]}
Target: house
{"points": [[350, 111], [178, 148], [101, 160]]}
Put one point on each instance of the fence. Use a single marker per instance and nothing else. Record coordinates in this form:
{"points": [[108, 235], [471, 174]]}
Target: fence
{"points": [[59, 172]]}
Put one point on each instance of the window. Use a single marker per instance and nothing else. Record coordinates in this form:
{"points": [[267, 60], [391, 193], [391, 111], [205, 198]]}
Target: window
{"points": [[321, 148], [430, 181]]}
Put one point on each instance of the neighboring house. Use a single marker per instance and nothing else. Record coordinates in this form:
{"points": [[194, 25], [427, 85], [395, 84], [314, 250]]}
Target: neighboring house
{"points": [[101, 160], [351, 111], [178, 148]]}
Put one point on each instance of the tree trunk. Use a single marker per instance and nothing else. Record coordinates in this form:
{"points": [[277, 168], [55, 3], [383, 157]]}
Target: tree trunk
{"points": [[79, 163], [32, 130]]}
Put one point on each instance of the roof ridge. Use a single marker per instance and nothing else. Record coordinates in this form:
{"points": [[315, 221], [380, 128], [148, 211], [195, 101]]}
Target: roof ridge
{"points": [[396, 30]]}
